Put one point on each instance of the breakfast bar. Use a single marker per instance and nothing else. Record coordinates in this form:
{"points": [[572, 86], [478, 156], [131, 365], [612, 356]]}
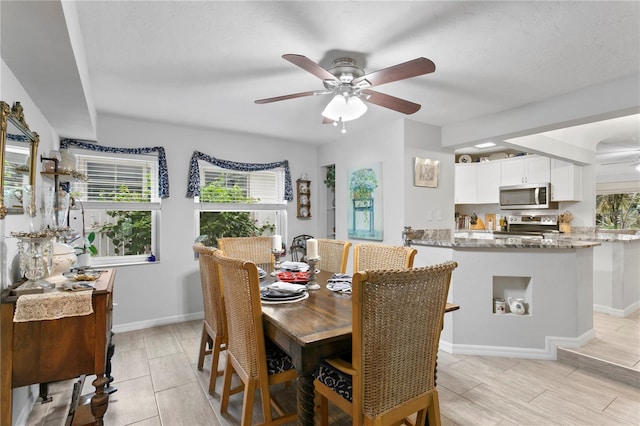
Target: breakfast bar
{"points": [[552, 277]]}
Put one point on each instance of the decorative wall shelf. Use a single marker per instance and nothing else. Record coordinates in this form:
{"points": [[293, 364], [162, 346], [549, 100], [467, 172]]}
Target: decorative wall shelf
{"points": [[303, 189], [66, 176]]}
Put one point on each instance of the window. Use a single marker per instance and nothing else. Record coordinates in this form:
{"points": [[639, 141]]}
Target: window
{"points": [[240, 204], [618, 210], [120, 203]]}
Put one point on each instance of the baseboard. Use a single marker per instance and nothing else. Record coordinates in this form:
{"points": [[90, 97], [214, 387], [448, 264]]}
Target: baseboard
{"points": [[618, 313], [550, 351], [139, 325]]}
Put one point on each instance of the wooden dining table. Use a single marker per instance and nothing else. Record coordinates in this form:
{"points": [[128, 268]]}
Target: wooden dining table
{"points": [[309, 331]]}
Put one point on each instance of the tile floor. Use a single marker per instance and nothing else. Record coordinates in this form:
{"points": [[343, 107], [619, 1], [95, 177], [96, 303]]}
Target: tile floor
{"points": [[158, 384]]}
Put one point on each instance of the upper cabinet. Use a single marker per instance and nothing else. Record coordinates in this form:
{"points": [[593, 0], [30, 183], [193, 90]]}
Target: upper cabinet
{"points": [[477, 183], [566, 181], [526, 169], [465, 183]]}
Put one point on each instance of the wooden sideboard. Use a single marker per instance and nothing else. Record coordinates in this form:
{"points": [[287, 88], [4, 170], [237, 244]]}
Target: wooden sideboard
{"points": [[62, 349]]}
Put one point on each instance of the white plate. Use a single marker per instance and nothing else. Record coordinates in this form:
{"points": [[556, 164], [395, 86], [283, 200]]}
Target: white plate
{"points": [[465, 159]]}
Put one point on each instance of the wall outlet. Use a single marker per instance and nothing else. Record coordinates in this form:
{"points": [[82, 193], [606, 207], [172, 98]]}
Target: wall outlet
{"points": [[429, 214], [438, 214]]}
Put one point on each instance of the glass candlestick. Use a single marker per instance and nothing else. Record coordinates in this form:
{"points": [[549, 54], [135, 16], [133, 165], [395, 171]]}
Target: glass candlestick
{"points": [[277, 254], [36, 259], [312, 284]]}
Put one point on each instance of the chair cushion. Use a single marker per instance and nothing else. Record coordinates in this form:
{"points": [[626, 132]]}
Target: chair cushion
{"points": [[336, 380], [277, 360]]}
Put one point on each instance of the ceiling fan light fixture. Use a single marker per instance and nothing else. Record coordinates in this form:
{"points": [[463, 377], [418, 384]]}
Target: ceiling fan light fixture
{"points": [[344, 108]]}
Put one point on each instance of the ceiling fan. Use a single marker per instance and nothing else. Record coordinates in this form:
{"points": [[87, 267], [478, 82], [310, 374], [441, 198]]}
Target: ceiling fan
{"points": [[625, 157], [350, 86]]}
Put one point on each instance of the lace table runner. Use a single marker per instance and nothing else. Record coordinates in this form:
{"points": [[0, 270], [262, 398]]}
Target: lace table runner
{"points": [[53, 305]]}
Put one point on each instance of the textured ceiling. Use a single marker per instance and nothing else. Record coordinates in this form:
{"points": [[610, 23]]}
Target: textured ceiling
{"points": [[203, 63]]}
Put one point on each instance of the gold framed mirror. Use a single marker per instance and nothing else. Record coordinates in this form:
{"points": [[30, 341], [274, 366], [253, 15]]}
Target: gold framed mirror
{"points": [[18, 154]]}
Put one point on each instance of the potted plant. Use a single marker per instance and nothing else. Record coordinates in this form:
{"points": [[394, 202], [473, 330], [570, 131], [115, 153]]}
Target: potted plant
{"points": [[86, 251], [330, 179]]}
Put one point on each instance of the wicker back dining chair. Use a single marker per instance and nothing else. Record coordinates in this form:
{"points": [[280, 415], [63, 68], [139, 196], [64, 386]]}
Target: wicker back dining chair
{"points": [[255, 249], [397, 320], [214, 324], [368, 257], [333, 255], [256, 361]]}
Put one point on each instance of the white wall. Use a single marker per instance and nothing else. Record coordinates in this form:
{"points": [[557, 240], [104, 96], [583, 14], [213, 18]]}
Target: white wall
{"points": [[169, 290], [378, 144], [422, 203]]}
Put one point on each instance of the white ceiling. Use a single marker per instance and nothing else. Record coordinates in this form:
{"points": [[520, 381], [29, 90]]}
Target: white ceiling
{"points": [[203, 63]]}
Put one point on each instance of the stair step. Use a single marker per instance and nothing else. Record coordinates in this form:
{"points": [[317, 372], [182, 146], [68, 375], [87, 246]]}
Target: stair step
{"points": [[611, 370]]}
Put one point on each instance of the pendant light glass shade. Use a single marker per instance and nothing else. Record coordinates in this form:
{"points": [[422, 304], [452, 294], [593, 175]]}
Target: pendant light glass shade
{"points": [[342, 108]]}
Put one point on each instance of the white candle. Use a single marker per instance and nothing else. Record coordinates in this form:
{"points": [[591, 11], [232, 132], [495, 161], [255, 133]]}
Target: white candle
{"points": [[276, 242], [312, 248]]}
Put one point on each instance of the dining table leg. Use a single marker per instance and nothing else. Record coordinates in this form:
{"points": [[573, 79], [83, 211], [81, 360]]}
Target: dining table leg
{"points": [[306, 400]]}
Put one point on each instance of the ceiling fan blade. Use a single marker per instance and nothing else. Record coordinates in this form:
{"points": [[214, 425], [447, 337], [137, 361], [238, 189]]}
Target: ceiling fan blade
{"points": [[402, 71], [285, 97], [326, 120], [391, 102], [309, 66]]}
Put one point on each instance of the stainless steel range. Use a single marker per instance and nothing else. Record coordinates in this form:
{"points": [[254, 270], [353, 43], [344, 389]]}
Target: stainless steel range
{"points": [[532, 224]]}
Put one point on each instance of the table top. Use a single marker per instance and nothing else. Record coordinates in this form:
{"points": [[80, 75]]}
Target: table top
{"points": [[323, 316]]}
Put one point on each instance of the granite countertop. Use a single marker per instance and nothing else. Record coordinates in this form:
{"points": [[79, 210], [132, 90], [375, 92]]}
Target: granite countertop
{"points": [[604, 237], [512, 242], [486, 239]]}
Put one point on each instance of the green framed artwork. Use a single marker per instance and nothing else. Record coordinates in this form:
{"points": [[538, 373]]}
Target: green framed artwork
{"points": [[365, 203]]}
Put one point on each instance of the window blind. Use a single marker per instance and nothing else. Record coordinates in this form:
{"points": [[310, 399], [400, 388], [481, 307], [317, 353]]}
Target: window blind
{"points": [[117, 179], [239, 187]]}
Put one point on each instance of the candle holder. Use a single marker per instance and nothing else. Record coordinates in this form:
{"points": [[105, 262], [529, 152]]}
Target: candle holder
{"points": [[312, 284], [36, 258], [277, 254]]}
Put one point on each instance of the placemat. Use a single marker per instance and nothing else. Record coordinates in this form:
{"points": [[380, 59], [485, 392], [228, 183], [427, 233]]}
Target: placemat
{"points": [[53, 305]]}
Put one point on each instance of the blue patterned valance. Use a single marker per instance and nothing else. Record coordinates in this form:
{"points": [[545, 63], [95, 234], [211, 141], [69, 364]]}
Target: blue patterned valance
{"points": [[194, 172], [163, 172]]}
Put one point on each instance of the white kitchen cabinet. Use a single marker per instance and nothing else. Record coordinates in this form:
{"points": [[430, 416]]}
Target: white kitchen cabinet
{"points": [[477, 183], [566, 181], [526, 169], [488, 182], [465, 183]]}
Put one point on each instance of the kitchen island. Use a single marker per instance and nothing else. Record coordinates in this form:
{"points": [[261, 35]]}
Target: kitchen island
{"points": [[554, 277]]}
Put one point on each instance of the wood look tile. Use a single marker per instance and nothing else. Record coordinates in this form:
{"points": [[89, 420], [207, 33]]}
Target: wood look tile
{"points": [[134, 401], [129, 365], [567, 408], [185, 405], [170, 371], [187, 330], [159, 385], [154, 421], [191, 347], [161, 344], [129, 340], [625, 409], [507, 409], [462, 411]]}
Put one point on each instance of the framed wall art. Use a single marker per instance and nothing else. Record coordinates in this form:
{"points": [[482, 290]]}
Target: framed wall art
{"points": [[426, 172], [365, 203]]}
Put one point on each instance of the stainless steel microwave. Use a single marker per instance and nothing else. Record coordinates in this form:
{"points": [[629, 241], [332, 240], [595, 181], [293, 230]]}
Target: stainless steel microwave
{"points": [[526, 196]]}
